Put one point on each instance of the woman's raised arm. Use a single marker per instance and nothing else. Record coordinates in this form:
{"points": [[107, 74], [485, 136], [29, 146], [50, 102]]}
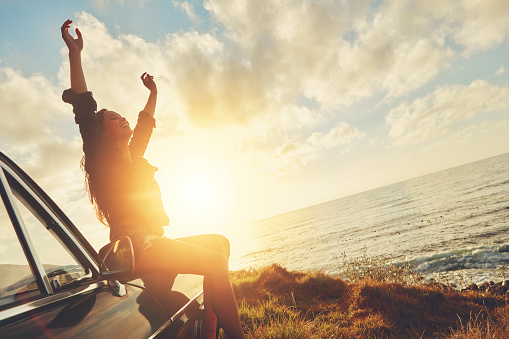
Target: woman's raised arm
{"points": [[75, 46], [148, 81]]}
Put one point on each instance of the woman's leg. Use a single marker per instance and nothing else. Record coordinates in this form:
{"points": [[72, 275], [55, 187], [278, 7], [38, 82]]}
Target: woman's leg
{"points": [[215, 242], [209, 322], [219, 244], [187, 256]]}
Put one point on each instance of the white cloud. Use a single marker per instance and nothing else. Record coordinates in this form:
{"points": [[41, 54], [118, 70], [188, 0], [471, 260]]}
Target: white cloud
{"points": [[339, 52], [433, 114], [113, 66], [213, 88], [28, 105], [339, 135], [293, 155], [200, 80], [104, 4], [296, 46], [318, 50], [272, 53], [35, 124], [482, 23], [38, 132], [472, 24], [188, 8], [501, 71]]}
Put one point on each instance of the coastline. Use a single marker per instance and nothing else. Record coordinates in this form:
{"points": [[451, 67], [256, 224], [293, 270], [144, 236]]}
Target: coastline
{"points": [[450, 225]]}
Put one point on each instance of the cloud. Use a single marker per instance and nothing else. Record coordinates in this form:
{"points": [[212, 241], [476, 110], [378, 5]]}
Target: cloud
{"points": [[292, 155], [473, 25], [188, 8], [202, 83], [339, 135], [36, 124], [340, 52], [35, 133], [273, 58], [433, 114], [296, 46], [113, 66], [29, 104], [213, 88], [271, 54], [482, 24], [104, 4]]}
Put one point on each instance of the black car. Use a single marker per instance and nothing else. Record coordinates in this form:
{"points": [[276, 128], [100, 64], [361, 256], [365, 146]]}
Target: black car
{"points": [[53, 284]]}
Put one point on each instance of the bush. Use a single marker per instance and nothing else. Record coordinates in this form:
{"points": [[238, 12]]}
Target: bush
{"points": [[383, 268]]}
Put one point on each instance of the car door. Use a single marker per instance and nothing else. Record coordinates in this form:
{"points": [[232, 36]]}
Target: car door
{"points": [[50, 286]]}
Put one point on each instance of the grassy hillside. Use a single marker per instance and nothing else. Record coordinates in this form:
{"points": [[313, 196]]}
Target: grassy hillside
{"points": [[276, 303]]}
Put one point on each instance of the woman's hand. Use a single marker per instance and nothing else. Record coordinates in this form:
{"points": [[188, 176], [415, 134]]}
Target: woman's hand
{"points": [[148, 81], [78, 83], [72, 44]]}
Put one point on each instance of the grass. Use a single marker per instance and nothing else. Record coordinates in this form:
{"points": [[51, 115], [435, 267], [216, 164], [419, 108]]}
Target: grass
{"points": [[379, 302]]}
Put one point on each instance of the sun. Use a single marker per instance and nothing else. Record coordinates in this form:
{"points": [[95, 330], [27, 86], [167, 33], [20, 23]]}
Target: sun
{"points": [[196, 193], [201, 193]]}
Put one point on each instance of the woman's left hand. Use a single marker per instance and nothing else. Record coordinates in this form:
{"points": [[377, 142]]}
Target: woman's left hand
{"points": [[72, 43], [148, 81]]}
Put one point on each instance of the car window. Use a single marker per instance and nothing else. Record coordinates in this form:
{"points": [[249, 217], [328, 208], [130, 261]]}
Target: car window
{"points": [[17, 283], [60, 265]]}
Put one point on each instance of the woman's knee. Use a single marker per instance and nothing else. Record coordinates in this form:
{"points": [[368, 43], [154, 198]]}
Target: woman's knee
{"points": [[218, 264], [218, 243], [224, 245], [215, 242]]}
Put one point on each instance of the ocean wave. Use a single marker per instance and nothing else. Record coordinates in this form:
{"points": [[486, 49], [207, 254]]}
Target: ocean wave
{"points": [[504, 248], [486, 257]]}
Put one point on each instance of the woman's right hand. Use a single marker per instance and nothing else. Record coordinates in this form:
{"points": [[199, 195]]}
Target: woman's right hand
{"points": [[78, 83], [72, 44]]}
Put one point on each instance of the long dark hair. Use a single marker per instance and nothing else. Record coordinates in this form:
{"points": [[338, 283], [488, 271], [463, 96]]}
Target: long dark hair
{"points": [[91, 168]]}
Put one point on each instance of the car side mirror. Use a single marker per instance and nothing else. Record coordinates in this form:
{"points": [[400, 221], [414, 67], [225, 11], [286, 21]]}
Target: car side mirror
{"points": [[116, 259]]}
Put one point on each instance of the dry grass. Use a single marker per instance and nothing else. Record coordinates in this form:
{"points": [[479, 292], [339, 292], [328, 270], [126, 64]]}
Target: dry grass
{"points": [[276, 303], [381, 268], [488, 325]]}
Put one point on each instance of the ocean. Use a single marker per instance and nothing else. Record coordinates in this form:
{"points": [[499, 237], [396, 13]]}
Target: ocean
{"points": [[450, 225]]}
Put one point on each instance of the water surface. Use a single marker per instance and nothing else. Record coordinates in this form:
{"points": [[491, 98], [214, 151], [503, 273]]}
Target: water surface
{"points": [[452, 222]]}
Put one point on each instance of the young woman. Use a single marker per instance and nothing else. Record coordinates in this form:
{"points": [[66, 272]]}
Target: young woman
{"points": [[126, 197]]}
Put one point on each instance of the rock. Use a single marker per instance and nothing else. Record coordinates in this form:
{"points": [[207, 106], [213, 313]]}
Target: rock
{"points": [[486, 285], [440, 286], [471, 287], [499, 288], [502, 290]]}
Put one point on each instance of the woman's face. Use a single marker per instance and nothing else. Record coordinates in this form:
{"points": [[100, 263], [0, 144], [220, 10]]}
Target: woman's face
{"points": [[116, 127]]}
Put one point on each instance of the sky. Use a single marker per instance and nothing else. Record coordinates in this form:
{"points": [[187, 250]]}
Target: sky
{"points": [[264, 107]]}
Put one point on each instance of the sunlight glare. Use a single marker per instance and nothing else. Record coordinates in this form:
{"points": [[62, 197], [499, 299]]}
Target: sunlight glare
{"points": [[196, 194], [202, 193]]}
